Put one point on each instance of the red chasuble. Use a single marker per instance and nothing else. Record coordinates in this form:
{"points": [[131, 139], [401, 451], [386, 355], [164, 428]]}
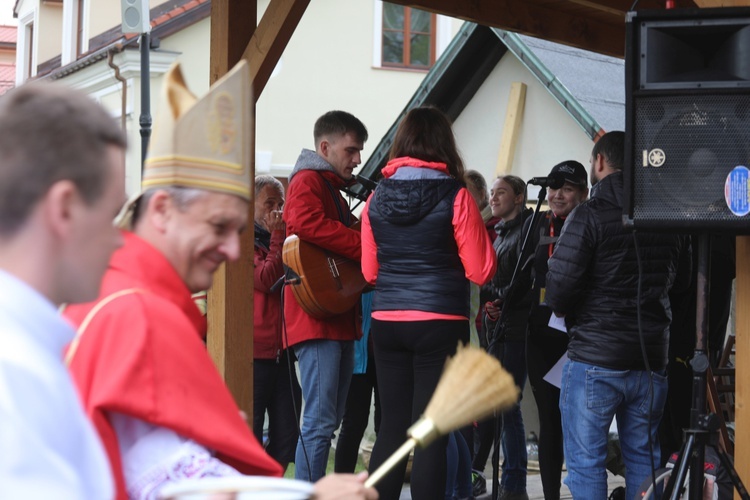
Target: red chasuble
{"points": [[142, 355]]}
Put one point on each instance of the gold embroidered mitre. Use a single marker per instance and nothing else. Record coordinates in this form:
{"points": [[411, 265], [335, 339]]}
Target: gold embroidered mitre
{"points": [[202, 143]]}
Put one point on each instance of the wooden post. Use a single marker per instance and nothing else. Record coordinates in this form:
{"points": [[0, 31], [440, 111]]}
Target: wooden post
{"points": [[271, 38], [230, 299], [513, 118], [742, 363]]}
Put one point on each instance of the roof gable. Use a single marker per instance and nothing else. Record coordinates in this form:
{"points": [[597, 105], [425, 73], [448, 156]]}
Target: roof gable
{"points": [[596, 81], [589, 86]]}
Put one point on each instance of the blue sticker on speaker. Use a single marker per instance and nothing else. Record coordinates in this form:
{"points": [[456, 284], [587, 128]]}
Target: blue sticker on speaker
{"points": [[737, 191]]}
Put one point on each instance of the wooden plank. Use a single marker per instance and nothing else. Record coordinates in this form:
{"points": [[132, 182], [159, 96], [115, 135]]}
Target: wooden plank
{"points": [[615, 8], [271, 38], [527, 17], [511, 128], [230, 299], [722, 3], [741, 361], [233, 23]]}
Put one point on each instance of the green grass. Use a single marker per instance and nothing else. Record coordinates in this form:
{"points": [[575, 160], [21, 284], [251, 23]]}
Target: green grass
{"points": [[329, 468]]}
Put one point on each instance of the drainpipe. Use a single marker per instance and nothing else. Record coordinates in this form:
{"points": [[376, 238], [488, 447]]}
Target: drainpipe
{"points": [[111, 61]]}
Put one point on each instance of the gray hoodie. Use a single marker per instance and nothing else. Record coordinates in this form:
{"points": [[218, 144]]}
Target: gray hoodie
{"points": [[310, 160]]}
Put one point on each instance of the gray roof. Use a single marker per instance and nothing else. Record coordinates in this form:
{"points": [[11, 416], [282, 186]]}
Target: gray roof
{"points": [[596, 81]]}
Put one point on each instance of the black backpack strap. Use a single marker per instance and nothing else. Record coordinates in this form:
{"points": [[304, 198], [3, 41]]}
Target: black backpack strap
{"points": [[344, 215]]}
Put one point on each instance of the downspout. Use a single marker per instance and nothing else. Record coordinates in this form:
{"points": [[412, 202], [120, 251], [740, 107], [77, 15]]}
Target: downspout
{"points": [[117, 48]]}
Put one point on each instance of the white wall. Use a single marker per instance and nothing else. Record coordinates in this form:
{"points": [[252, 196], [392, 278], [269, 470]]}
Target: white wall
{"points": [[547, 135], [6, 13], [328, 65]]}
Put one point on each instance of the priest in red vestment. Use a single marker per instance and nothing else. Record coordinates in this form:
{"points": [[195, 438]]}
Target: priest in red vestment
{"points": [[139, 361]]}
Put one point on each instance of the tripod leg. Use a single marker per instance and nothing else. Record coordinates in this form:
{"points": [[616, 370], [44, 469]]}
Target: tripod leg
{"points": [[697, 459], [729, 466], [677, 479], [497, 434]]}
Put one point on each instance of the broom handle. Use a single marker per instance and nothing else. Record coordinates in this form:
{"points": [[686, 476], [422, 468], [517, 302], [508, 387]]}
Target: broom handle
{"points": [[391, 462]]}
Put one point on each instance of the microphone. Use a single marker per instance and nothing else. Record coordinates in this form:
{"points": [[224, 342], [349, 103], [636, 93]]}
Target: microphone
{"points": [[364, 188], [553, 181], [278, 283], [366, 182], [289, 278]]}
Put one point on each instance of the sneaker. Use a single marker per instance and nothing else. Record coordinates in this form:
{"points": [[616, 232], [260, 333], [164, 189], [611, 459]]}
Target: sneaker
{"points": [[617, 494], [513, 495], [478, 483]]}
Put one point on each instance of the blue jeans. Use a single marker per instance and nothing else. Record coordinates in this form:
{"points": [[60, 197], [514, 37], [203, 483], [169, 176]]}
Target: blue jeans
{"points": [[458, 480], [515, 460], [325, 372], [590, 397]]}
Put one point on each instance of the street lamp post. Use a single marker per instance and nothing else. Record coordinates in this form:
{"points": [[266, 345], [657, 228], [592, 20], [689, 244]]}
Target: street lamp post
{"points": [[145, 118], [135, 19]]}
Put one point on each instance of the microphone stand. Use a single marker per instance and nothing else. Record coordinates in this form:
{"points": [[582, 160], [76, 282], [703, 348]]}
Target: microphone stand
{"points": [[498, 337]]}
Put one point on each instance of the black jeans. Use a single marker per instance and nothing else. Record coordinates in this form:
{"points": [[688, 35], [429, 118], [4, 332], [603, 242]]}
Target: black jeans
{"points": [[273, 390], [543, 350], [410, 357], [356, 416]]}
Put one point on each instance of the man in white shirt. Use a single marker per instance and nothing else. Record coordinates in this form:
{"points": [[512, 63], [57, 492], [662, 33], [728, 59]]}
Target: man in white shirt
{"points": [[61, 185]]}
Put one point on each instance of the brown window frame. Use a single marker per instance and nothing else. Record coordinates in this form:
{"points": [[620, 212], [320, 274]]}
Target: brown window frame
{"points": [[406, 46]]}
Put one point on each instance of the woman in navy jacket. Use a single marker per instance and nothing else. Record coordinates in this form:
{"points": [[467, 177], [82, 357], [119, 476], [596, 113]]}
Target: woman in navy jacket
{"points": [[423, 240]]}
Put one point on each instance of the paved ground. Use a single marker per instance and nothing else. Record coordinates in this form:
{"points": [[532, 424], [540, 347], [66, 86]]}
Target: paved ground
{"points": [[533, 487]]}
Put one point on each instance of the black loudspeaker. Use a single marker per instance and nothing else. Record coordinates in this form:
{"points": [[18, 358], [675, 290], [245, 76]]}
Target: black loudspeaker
{"points": [[687, 124], [135, 16]]}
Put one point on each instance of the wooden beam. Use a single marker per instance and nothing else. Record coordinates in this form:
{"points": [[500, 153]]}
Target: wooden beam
{"points": [[233, 23], [742, 361], [617, 8], [620, 7], [529, 18], [271, 38], [230, 299], [511, 128], [722, 3]]}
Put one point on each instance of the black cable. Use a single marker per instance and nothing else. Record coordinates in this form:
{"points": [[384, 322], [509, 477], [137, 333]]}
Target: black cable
{"points": [[289, 365], [647, 365]]}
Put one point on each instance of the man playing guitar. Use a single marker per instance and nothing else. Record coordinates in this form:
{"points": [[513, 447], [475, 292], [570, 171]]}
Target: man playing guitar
{"points": [[317, 213]]}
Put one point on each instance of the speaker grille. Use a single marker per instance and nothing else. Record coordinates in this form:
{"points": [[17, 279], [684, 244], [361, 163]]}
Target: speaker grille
{"points": [[684, 147]]}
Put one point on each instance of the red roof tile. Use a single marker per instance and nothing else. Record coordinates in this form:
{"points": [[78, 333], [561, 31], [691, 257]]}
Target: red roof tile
{"points": [[8, 34], [7, 77]]}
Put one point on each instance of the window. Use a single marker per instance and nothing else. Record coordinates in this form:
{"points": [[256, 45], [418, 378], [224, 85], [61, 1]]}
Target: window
{"points": [[408, 39], [74, 39], [25, 56], [80, 35], [29, 50]]}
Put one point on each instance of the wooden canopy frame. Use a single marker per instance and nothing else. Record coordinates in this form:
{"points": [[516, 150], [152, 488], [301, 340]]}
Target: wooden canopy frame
{"points": [[596, 25]]}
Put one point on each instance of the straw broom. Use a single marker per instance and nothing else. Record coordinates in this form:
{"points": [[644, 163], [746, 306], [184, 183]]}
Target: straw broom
{"points": [[473, 386]]}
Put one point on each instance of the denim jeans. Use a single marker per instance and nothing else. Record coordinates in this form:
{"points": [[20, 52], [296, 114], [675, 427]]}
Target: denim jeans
{"points": [[325, 372], [510, 426], [513, 443], [591, 396], [458, 477], [277, 392]]}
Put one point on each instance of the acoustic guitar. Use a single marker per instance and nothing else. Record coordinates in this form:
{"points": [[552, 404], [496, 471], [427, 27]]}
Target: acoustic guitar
{"points": [[329, 284]]}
